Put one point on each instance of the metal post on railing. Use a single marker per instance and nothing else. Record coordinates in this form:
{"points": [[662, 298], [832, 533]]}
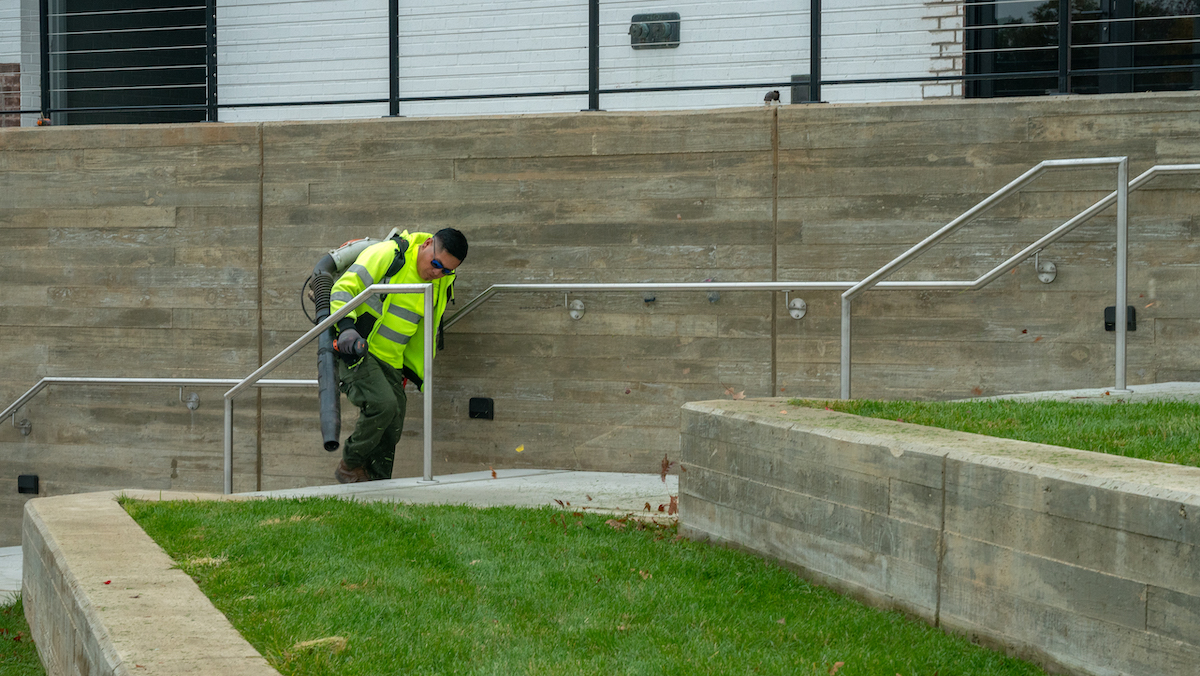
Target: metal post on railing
{"points": [[814, 51], [44, 48], [210, 52], [1120, 311], [1064, 46], [593, 55], [228, 446], [427, 395], [394, 58]]}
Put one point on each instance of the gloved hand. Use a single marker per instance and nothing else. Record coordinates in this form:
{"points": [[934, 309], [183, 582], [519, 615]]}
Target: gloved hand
{"points": [[351, 344]]}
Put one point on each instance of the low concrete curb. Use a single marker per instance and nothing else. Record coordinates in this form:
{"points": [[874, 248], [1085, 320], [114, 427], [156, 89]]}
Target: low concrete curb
{"points": [[103, 598]]}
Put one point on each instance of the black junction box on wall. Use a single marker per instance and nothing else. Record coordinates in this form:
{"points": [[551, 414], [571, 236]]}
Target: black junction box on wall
{"points": [[481, 407]]}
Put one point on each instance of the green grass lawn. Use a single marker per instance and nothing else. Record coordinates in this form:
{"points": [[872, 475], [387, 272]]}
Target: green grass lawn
{"points": [[393, 589], [1165, 431], [18, 654]]}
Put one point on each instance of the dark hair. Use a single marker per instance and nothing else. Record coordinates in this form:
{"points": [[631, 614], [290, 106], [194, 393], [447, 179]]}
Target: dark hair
{"points": [[453, 241]]}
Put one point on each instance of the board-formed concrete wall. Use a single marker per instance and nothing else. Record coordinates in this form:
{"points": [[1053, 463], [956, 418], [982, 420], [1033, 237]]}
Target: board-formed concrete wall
{"points": [[1080, 561], [181, 251]]}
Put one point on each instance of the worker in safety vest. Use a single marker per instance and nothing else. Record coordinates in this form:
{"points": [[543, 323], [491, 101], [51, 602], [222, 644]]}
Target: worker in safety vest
{"points": [[394, 333]]}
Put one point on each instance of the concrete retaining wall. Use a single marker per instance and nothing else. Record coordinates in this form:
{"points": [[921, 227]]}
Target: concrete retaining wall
{"points": [[103, 599], [181, 250], [1081, 561]]}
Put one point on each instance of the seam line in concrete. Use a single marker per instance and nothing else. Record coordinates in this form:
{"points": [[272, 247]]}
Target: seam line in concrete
{"points": [[941, 554]]}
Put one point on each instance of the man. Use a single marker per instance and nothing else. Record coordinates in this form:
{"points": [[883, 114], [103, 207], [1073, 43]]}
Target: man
{"points": [[395, 351]]}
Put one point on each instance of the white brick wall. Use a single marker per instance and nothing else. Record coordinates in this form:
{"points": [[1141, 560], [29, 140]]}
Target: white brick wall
{"points": [[311, 50], [10, 32]]}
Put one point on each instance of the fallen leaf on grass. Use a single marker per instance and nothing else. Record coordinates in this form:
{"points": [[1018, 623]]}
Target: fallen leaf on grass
{"points": [[782, 620], [836, 666], [646, 575], [335, 644], [614, 524]]}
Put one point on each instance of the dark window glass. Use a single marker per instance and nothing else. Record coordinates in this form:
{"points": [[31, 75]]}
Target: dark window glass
{"points": [[127, 53], [1115, 46]]}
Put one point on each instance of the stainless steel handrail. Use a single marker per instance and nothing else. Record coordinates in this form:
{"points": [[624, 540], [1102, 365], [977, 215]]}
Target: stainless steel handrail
{"points": [[174, 382], [427, 385], [1122, 192], [684, 286]]}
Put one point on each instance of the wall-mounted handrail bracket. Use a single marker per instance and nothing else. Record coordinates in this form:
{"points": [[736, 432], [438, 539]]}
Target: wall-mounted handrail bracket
{"points": [[1046, 270]]}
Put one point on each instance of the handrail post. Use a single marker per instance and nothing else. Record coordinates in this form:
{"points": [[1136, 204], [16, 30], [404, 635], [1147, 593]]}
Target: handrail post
{"points": [[845, 361], [1120, 311], [228, 445], [427, 398]]}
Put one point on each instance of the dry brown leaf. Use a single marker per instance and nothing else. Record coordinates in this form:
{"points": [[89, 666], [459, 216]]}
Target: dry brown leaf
{"points": [[782, 620], [836, 666], [739, 395], [493, 472], [674, 506], [647, 507], [614, 524], [666, 467], [729, 391], [646, 575]]}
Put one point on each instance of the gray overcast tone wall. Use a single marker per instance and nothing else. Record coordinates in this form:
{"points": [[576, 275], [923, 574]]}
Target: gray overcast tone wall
{"points": [[178, 250]]}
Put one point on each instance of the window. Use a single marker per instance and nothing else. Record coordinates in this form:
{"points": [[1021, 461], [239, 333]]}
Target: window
{"points": [[146, 54], [1114, 46]]}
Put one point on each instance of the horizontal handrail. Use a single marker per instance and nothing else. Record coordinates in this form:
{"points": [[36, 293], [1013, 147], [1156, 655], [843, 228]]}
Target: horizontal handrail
{"points": [[427, 383], [685, 286], [174, 382]]}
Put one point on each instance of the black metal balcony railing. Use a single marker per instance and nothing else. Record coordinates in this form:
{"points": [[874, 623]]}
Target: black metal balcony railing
{"points": [[102, 61]]}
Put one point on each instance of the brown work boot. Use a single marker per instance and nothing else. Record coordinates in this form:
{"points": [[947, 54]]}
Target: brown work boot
{"points": [[345, 475]]}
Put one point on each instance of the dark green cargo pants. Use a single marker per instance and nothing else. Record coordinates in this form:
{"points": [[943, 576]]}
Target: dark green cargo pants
{"points": [[377, 390]]}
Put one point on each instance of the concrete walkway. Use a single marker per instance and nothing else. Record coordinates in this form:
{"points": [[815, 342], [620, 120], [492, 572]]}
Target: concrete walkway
{"points": [[607, 492]]}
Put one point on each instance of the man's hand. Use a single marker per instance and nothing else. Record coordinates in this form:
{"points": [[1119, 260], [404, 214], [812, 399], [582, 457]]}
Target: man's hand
{"points": [[351, 344]]}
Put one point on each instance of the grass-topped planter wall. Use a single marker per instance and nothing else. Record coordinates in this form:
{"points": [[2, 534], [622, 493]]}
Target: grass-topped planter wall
{"points": [[1080, 561]]}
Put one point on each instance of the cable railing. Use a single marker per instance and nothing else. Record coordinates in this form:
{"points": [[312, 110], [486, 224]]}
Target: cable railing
{"points": [[554, 55]]}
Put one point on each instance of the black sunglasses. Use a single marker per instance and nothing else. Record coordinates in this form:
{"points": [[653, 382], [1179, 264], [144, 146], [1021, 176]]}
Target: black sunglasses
{"points": [[439, 267]]}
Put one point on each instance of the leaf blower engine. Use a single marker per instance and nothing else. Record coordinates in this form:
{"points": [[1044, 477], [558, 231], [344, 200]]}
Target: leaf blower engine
{"points": [[319, 287]]}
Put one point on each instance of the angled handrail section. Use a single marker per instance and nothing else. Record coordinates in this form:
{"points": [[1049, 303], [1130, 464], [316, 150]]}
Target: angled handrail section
{"points": [[427, 385], [1119, 197]]}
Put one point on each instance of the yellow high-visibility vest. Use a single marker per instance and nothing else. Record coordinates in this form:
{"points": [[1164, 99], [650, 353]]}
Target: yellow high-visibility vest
{"points": [[398, 336]]}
